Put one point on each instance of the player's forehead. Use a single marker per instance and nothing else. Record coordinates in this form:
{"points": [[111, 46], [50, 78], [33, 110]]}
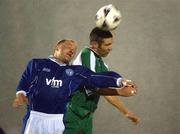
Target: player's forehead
{"points": [[69, 44]]}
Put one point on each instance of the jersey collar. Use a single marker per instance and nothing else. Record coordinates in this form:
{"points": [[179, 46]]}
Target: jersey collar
{"points": [[95, 53], [52, 58]]}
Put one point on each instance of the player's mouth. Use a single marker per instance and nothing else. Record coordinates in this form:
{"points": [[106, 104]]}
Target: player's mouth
{"points": [[69, 55]]}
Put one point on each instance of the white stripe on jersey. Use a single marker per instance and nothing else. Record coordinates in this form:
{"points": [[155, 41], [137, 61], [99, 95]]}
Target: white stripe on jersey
{"points": [[77, 61], [92, 61]]}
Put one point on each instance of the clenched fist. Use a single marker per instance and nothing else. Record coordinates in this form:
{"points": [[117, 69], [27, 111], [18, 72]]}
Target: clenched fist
{"points": [[20, 99]]}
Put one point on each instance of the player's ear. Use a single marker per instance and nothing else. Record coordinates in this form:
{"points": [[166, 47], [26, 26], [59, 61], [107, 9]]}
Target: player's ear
{"points": [[57, 47], [94, 45]]}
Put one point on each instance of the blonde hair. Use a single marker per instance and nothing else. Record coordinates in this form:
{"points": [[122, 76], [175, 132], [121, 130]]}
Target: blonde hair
{"points": [[62, 41]]}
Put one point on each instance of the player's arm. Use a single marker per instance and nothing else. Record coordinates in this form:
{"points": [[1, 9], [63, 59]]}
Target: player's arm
{"points": [[103, 79], [121, 91], [115, 101], [87, 60], [85, 77], [24, 84], [128, 89]]}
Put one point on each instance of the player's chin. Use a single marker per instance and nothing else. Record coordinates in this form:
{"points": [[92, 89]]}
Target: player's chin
{"points": [[105, 55], [67, 60]]}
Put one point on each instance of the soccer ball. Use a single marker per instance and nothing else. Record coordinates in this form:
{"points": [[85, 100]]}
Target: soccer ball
{"points": [[108, 17]]}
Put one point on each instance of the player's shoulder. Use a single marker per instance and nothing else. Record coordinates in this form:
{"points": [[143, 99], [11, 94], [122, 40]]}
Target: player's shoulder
{"points": [[86, 50], [40, 60], [75, 67], [78, 68]]}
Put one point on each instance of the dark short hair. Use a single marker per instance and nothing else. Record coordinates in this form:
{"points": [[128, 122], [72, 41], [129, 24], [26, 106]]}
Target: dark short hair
{"points": [[98, 35]]}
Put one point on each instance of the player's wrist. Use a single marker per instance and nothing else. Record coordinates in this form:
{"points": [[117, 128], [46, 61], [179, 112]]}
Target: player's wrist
{"points": [[21, 92], [127, 113], [125, 82], [119, 82]]}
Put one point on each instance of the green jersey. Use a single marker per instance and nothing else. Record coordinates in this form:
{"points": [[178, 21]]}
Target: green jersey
{"points": [[84, 102]]}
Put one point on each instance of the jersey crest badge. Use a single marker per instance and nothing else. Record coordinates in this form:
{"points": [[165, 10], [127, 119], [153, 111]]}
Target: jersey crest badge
{"points": [[69, 72]]}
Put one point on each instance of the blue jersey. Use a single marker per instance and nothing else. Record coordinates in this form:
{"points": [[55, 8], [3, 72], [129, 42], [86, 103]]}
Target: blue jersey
{"points": [[49, 85]]}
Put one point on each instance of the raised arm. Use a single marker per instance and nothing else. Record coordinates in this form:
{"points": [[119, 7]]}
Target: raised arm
{"points": [[94, 80], [129, 88]]}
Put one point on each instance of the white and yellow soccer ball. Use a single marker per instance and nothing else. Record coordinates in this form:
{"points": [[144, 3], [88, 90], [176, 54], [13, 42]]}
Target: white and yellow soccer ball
{"points": [[108, 17]]}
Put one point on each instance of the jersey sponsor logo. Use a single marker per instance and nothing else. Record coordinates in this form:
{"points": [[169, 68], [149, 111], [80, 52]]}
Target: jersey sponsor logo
{"points": [[54, 83], [69, 72], [46, 69]]}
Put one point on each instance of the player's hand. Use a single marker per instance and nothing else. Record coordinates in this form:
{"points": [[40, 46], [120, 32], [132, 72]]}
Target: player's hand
{"points": [[20, 99], [129, 83], [133, 117], [127, 91], [129, 88]]}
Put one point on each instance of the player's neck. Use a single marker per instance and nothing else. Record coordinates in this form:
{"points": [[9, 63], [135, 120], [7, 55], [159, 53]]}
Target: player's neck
{"points": [[95, 51]]}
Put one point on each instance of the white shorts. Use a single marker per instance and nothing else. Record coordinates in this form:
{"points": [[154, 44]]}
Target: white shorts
{"points": [[42, 123]]}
